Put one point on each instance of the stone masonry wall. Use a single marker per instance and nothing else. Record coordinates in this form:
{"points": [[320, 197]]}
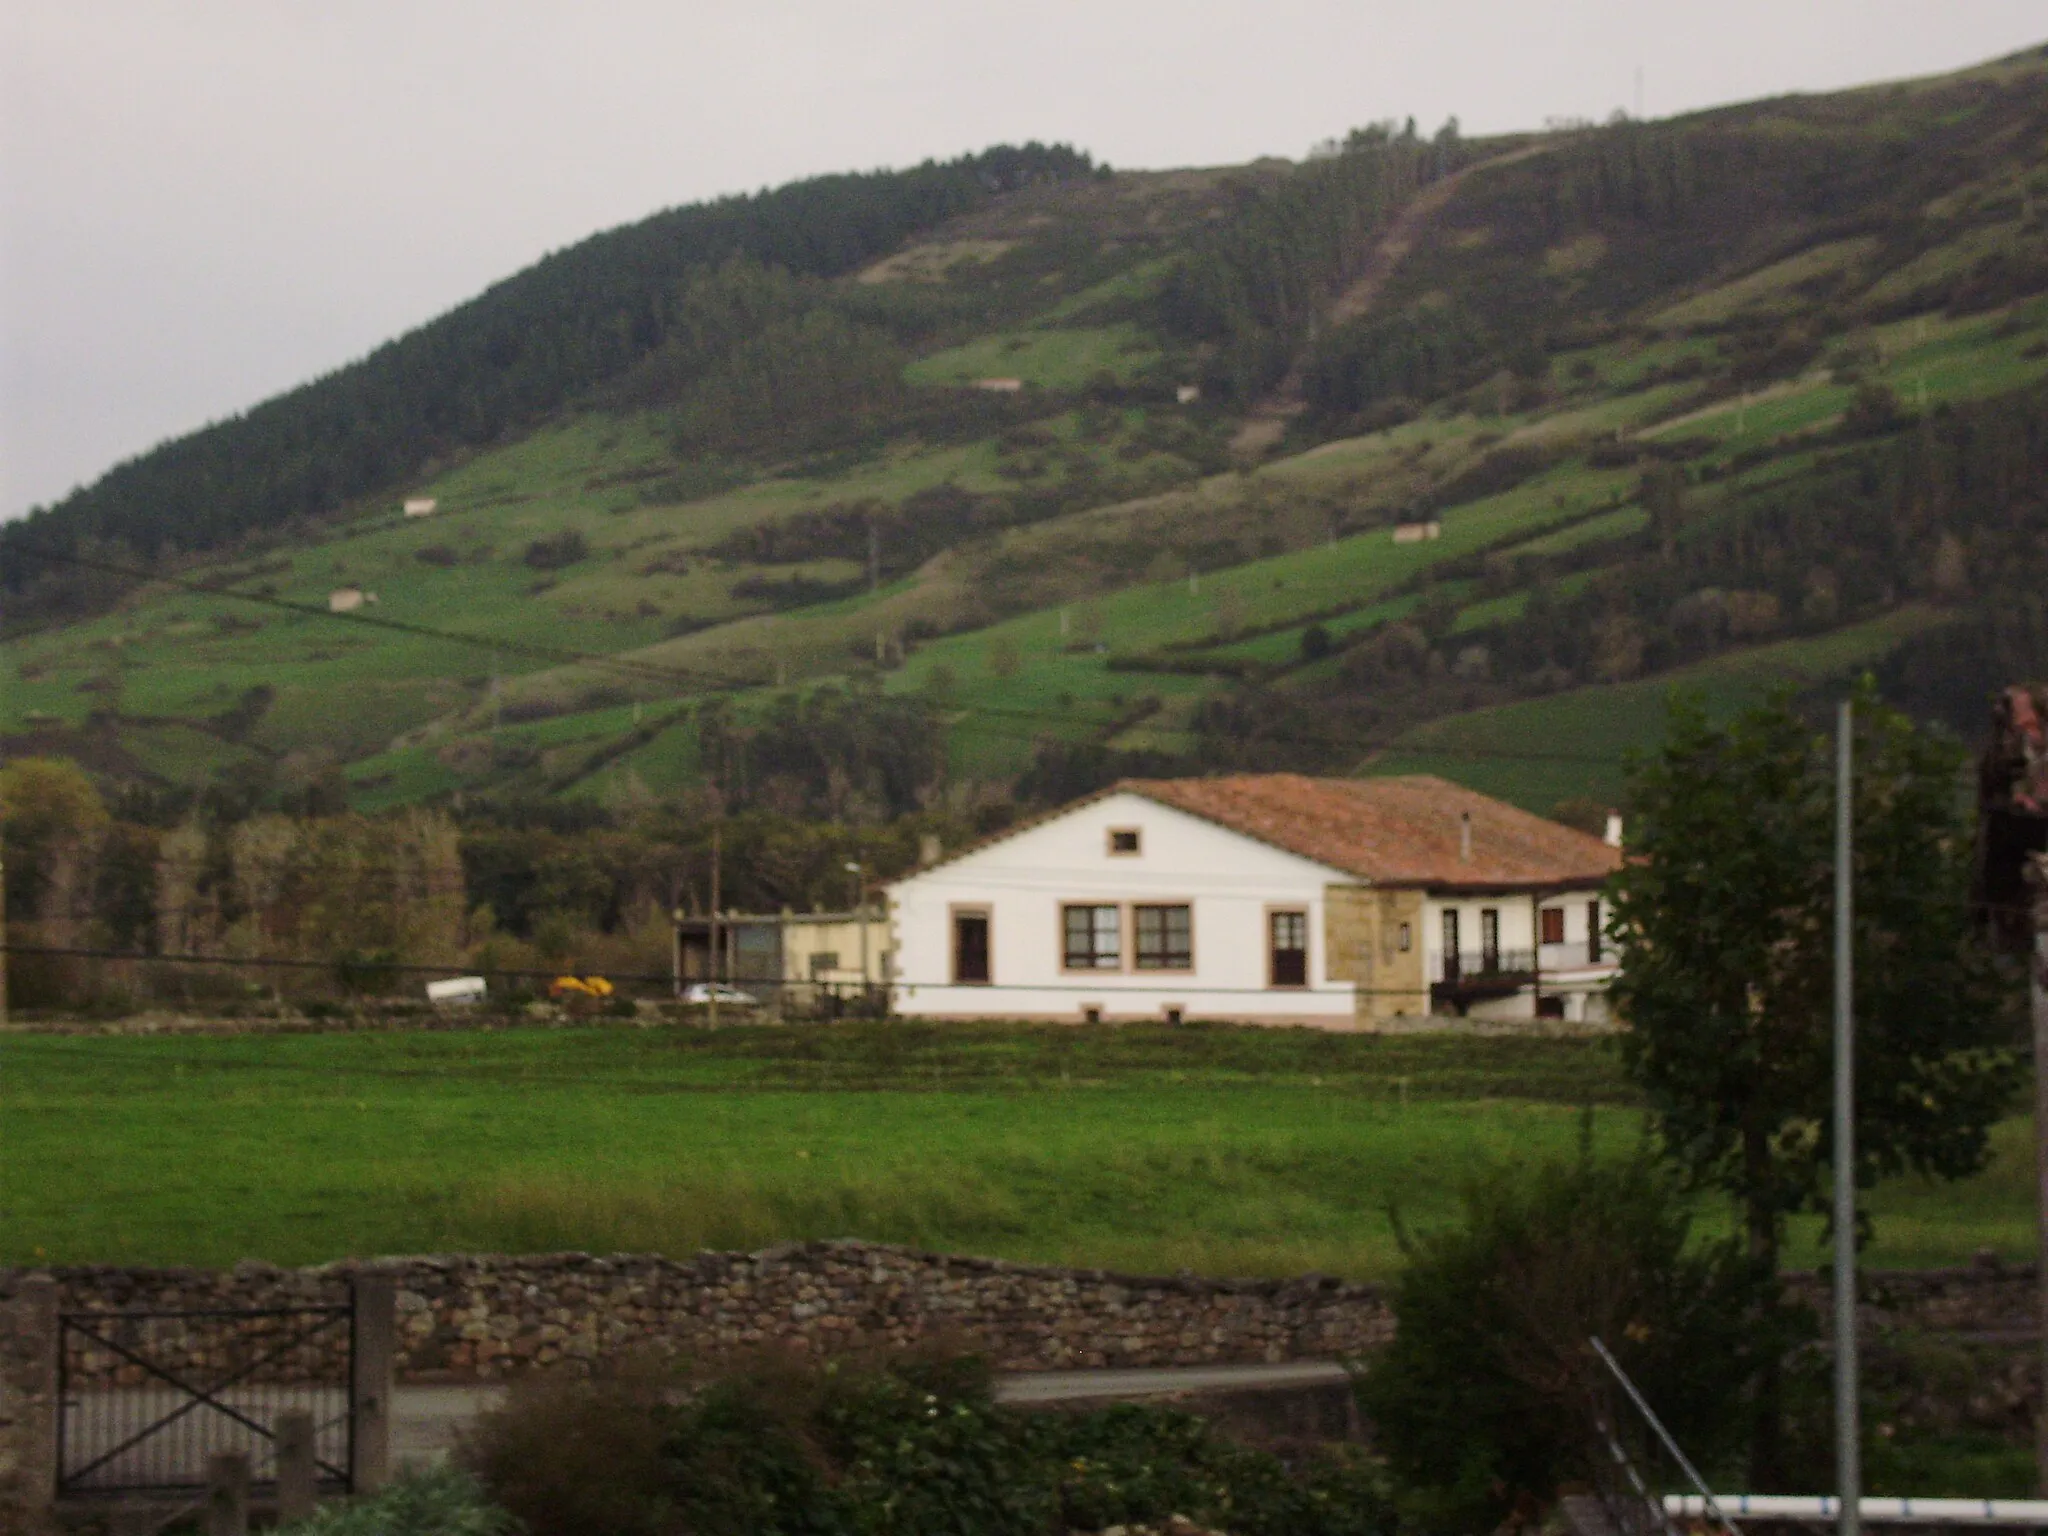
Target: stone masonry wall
{"points": [[484, 1316], [27, 1408], [463, 1317]]}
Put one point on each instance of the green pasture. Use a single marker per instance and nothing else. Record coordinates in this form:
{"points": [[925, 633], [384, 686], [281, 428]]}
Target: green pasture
{"points": [[1225, 1151], [1540, 751], [1769, 288], [1926, 361], [1058, 358]]}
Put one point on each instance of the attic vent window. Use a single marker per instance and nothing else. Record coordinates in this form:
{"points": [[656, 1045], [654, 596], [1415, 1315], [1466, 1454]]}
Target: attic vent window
{"points": [[1123, 840]]}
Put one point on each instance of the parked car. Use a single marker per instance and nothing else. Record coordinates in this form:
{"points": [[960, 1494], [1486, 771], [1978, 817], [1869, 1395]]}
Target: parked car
{"points": [[702, 992]]}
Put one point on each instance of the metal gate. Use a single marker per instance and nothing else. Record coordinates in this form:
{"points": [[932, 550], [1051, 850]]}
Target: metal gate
{"points": [[148, 1397]]}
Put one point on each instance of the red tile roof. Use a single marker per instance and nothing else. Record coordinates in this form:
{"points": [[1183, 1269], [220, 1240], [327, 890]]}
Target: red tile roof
{"points": [[1392, 831]]}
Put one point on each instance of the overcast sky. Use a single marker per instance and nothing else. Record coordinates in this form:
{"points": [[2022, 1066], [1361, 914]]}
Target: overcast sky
{"points": [[205, 201]]}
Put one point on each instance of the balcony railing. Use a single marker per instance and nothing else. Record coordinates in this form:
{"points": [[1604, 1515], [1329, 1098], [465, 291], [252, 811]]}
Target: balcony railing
{"points": [[1479, 965]]}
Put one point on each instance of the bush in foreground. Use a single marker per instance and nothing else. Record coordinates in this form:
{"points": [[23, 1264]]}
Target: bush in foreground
{"points": [[1487, 1399], [447, 1502], [908, 1447]]}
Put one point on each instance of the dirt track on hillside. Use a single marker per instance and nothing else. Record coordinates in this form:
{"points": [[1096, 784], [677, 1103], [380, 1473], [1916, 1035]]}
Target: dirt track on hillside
{"points": [[1267, 421]]}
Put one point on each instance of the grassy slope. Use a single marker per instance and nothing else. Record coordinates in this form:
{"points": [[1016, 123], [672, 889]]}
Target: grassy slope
{"points": [[1223, 1151], [1062, 269], [1540, 751]]}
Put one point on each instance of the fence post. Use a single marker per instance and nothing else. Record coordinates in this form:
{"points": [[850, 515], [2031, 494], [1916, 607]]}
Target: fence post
{"points": [[227, 1494], [294, 1466], [28, 1405], [376, 1331]]}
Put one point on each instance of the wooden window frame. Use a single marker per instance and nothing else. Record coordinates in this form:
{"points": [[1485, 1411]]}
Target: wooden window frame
{"points": [[1135, 834], [1548, 918], [1595, 939], [1123, 937], [1273, 984], [954, 912], [1156, 904]]}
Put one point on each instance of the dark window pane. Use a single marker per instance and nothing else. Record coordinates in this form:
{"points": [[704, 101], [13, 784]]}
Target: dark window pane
{"points": [[1093, 940], [1165, 938]]}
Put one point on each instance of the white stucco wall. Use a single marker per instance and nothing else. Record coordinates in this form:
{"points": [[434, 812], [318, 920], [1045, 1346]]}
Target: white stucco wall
{"points": [[1230, 882]]}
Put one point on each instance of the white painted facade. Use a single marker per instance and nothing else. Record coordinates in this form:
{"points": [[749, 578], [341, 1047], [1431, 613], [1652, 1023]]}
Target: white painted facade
{"points": [[1230, 883]]}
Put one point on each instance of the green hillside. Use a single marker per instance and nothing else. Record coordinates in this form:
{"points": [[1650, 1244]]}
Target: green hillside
{"points": [[1063, 472]]}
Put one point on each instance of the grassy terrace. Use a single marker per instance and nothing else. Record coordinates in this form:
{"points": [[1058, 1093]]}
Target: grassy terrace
{"points": [[1220, 1150]]}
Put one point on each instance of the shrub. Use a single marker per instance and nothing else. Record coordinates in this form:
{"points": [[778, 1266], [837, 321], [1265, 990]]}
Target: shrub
{"points": [[445, 1502], [908, 1446], [1485, 1402], [558, 550]]}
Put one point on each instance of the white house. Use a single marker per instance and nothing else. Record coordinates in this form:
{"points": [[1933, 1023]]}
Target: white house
{"points": [[1267, 898]]}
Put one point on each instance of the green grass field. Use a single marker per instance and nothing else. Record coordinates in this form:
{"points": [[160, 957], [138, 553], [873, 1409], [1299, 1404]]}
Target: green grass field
{"points": [[1224, 1151]]}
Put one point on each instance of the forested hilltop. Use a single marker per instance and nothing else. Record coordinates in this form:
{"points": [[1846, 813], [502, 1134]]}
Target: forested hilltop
{"points": [[940, 492]]}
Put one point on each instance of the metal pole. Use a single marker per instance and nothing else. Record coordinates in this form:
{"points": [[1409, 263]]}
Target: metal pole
{"points": [[675, 945], [1848, 1430], [1656, 1424]]}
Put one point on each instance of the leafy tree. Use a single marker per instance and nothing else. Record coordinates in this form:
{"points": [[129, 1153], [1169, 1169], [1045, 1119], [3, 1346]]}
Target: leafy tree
{"points": [[1725, 918], [1486, 1399], [50, 813]]}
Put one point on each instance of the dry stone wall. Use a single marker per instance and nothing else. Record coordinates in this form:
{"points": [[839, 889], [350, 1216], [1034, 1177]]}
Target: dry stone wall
{"points": [[27, 1407], [485, 1316], [482, 1316]]}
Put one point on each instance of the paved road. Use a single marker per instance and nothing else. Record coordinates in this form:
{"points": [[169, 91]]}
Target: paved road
{"points": [[426, 1420]]}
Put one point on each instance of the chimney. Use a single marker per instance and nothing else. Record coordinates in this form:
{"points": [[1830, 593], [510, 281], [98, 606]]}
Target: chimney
{"points": [[1465, 837], [1613, 837], [929, 850]]}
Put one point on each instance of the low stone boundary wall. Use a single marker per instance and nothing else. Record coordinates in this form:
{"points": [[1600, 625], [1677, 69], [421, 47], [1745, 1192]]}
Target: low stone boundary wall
{"points": [[463, 1317], [482, 1316]]}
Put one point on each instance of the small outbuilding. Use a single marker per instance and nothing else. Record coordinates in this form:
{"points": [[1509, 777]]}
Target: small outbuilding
{"points": [[1275, 898]]}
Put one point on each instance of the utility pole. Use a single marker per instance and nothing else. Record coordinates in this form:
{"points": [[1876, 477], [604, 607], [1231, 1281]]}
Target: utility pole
{"points": [[675, 939], [860, 918], [711, 989], [1848, 1428]]}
